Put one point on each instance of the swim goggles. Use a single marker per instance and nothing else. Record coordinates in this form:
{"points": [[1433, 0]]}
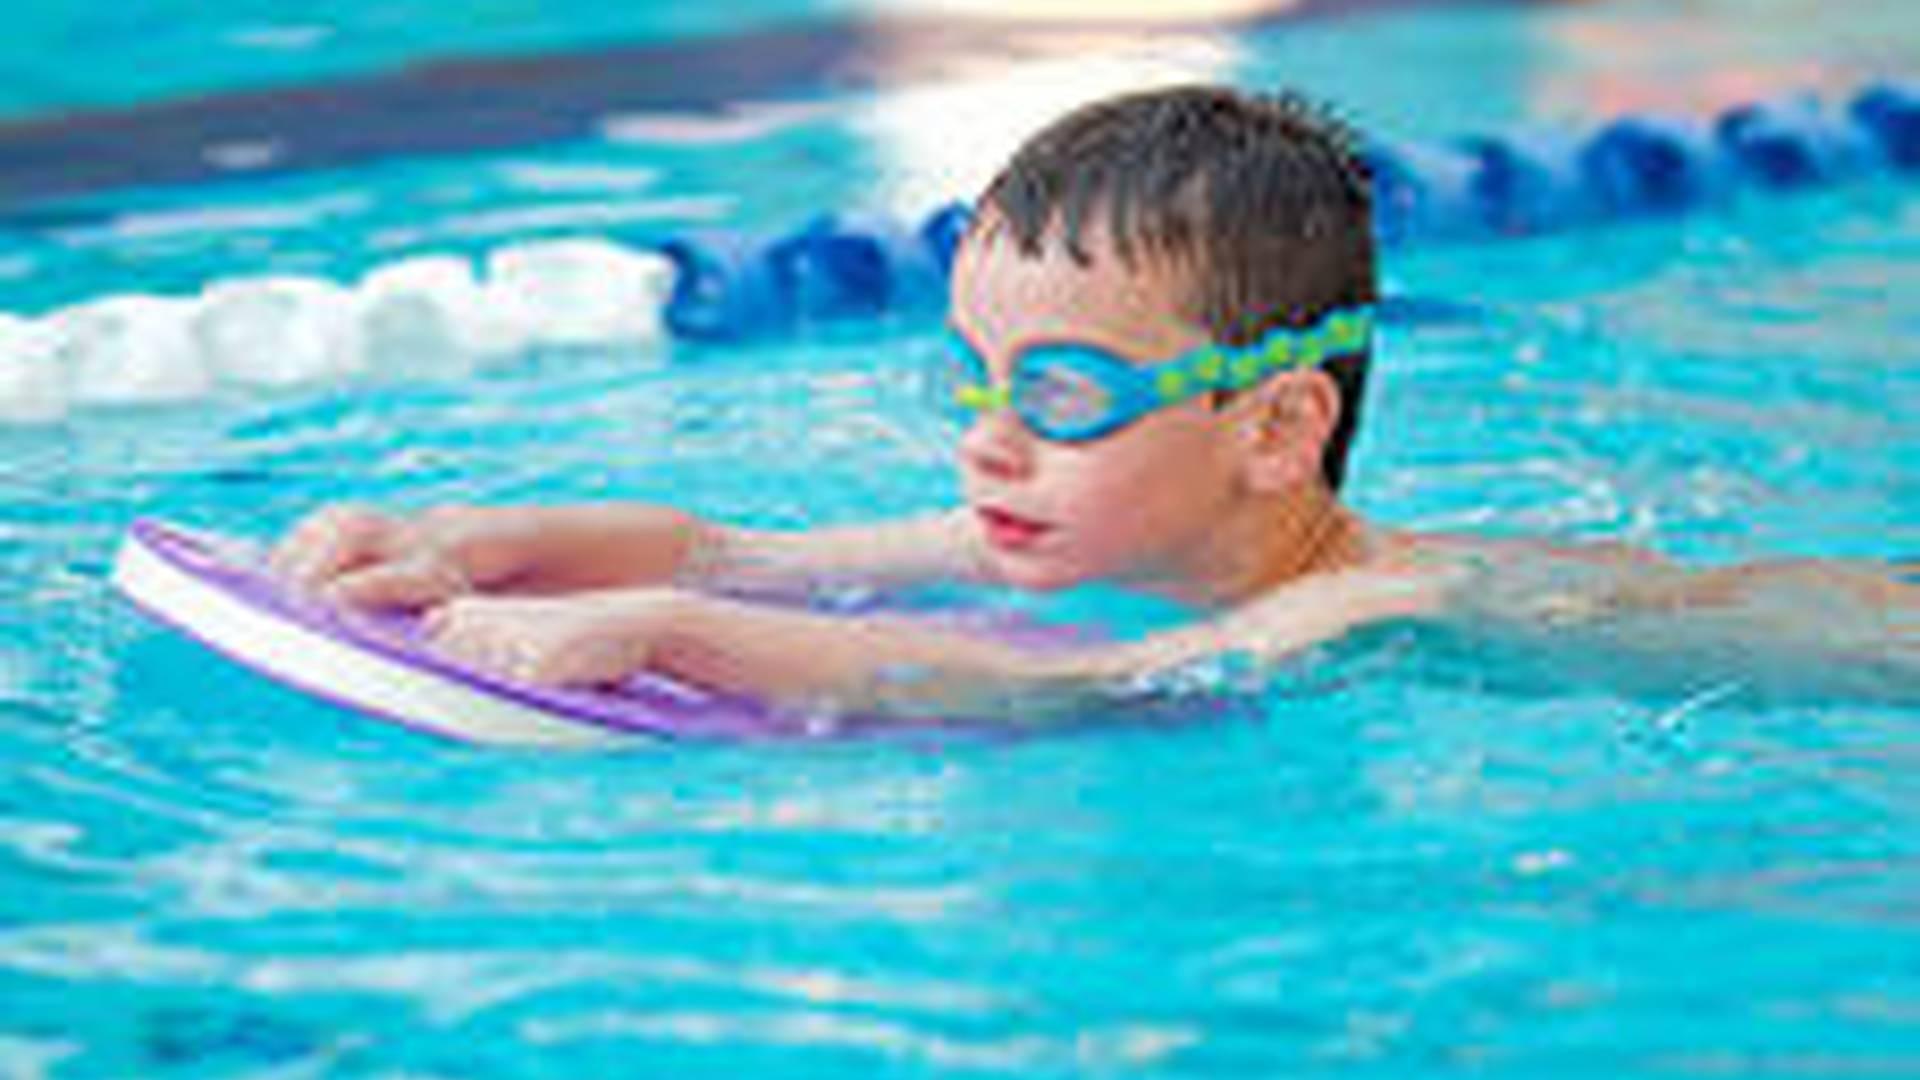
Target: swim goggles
{"points": [[1071, 392]]}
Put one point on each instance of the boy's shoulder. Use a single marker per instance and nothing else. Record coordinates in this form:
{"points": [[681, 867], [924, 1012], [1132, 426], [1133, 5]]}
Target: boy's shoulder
{"points": [[1406, 573], [1400, 574]]}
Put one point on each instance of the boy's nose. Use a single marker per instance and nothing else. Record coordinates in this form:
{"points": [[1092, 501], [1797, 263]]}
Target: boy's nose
{"points": [[998, 445]]}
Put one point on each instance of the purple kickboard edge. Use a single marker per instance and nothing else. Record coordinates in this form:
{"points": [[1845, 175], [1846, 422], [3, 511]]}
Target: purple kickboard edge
{"points": [[642, 705]]}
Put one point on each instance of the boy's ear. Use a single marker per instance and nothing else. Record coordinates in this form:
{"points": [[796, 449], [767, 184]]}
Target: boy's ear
{"points": [[1287, 428]]}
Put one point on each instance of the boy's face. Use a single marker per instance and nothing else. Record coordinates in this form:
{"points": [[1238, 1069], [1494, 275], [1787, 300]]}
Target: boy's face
{"points": [[1138, 506]]}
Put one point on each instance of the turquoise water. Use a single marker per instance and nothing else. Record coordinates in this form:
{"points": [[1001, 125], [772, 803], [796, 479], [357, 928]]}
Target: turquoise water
{"points": [[871, 137], [177, 48], [1387, 862]]}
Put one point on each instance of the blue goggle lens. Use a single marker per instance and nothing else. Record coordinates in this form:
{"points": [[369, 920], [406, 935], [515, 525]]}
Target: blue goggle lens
{"points": [[1060, 392], [1057, 394]]}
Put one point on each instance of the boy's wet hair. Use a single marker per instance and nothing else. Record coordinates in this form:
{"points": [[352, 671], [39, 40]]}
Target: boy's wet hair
{"points": [[1262, 200]]}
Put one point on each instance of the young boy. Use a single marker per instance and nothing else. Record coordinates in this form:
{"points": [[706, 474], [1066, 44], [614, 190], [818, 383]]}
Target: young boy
{"points": [[1166, 298]]}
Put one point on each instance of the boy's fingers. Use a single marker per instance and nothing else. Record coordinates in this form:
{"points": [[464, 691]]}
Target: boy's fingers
{"points": [[330, 543], [414, 583], [488, 647]]}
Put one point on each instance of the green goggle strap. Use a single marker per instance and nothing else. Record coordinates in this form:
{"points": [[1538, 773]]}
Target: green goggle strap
{"points": [[1223, 367]]}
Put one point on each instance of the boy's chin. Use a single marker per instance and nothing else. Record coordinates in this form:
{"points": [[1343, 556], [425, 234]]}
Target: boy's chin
{"points": [[1036, 575]]}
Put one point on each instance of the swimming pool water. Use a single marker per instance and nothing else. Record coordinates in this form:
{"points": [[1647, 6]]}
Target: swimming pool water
{"points": [[1389, 861], [173, 48]]}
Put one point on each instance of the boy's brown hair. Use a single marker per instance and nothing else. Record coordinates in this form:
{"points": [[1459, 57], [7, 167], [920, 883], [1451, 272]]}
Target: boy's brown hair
{"points": [[1261, 199]]}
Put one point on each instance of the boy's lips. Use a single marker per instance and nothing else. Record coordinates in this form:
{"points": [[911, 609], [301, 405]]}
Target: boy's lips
{"points": [[1009, 531]]}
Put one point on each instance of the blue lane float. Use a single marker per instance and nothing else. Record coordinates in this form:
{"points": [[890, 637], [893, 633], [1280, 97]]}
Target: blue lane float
{"points": [[729, 287], [441, 313], [1526, 183], [1789, 143], [1641, 165], [1890, 115], [1513, 184], [1420, 192]]}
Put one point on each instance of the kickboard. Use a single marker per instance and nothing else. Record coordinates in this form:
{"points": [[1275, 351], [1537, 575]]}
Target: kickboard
{"points": [[217, 590]]}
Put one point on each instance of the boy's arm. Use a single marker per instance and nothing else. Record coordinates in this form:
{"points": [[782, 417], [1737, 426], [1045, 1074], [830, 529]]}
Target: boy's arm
{"points": [[1811, 626], [901, 667], [1801, 626], [936, 547], [369, 558], [882, 666]]}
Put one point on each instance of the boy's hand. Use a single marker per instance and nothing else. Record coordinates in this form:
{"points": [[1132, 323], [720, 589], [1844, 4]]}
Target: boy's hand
{"points": [[587, 639], [368, 559]]}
